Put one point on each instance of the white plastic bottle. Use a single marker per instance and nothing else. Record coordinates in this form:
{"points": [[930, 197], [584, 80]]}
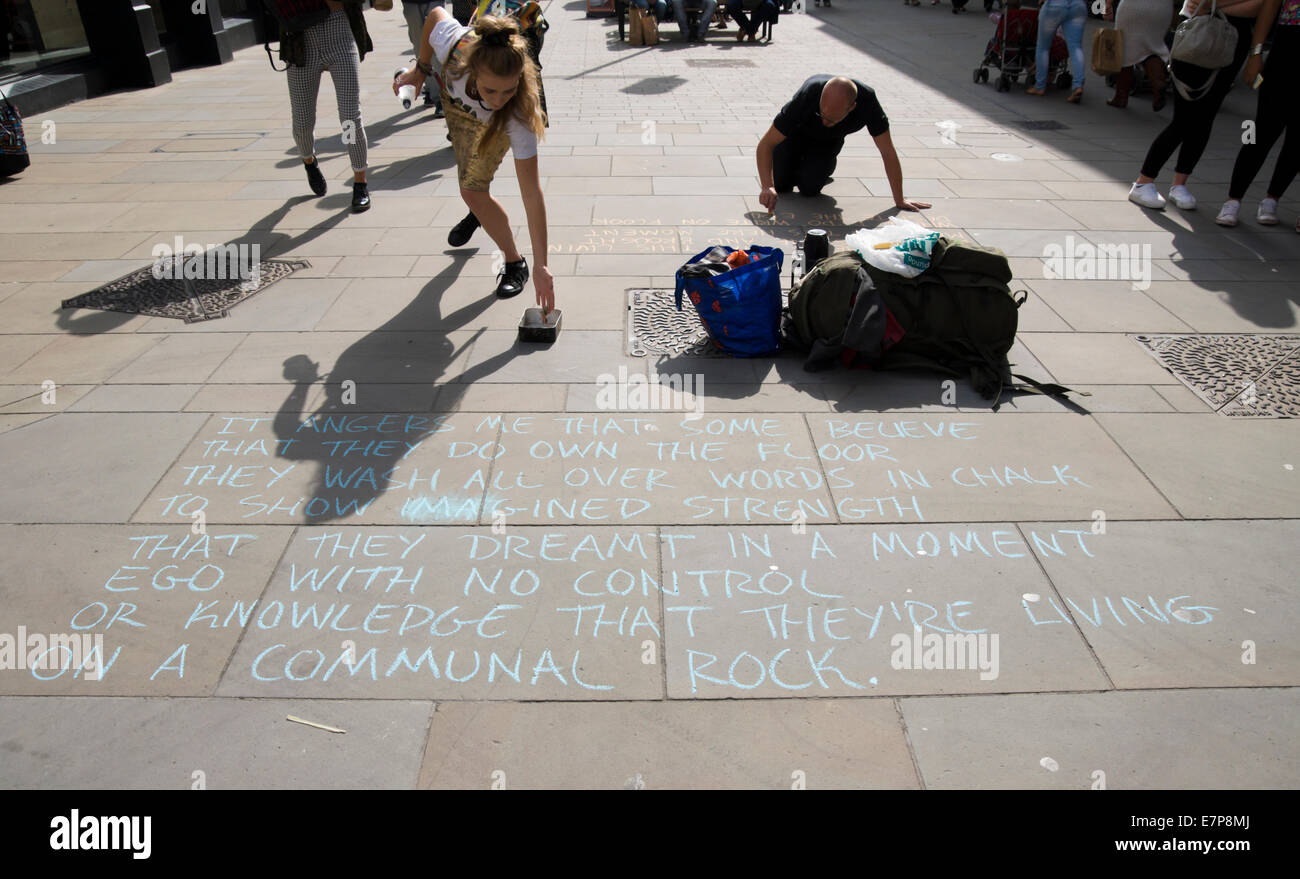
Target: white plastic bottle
{"points": [[405, 94]]}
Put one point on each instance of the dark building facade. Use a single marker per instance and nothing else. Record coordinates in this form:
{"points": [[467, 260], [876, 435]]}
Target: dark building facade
{"points": [[53, 52]]}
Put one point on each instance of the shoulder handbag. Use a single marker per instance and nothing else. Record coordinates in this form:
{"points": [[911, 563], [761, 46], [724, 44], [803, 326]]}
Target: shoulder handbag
{"points": [[1207, 41], [13, 145]]}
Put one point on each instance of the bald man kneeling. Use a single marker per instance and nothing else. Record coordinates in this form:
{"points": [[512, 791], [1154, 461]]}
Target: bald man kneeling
{"points": [[802, 145]]}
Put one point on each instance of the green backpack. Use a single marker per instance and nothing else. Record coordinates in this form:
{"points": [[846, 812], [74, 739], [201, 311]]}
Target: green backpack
{"points": [[958, 317]]}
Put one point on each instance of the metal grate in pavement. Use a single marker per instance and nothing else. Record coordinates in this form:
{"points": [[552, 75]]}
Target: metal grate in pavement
{"points": [[655, 326], [1041, 125], [719, 62], [162, 290], [1236, 375]]}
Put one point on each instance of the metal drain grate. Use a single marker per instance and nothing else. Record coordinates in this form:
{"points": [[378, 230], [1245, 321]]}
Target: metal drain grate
{"points": [[719, 62], [1236, 375], [655, 326], [143, 292], [1041, 125]]}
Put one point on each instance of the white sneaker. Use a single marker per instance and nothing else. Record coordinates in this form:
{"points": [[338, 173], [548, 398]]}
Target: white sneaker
{"points": [[1228, 213], [1147, 195], [1267, 212], [1182, 198]]}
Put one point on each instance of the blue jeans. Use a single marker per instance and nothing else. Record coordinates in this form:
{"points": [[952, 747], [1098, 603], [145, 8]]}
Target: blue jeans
{"points": [[1070, 16], [708, 7], [660, 10]]}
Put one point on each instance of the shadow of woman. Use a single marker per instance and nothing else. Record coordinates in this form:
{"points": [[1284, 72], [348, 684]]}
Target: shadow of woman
{"points": [[401, 174], [375, 364], [1270, 305], [269, 243]]}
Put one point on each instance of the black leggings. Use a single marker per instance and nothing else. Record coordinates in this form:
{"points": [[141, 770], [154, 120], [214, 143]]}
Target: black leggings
{"points": [[795, 163], [1189, 132], [1278, 111]]}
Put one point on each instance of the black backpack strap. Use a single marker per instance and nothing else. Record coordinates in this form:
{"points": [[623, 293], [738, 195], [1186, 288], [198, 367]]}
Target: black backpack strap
{"points": [[1050, 389]]}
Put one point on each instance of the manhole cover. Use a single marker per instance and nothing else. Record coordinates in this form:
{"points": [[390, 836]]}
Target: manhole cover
{"points": [[1041, 125], [162, 290], [1237, 375], [719, 62], [655, 326]]}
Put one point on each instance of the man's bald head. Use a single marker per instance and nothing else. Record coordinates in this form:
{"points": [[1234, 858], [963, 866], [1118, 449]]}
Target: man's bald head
{"points": [[839, 96]]}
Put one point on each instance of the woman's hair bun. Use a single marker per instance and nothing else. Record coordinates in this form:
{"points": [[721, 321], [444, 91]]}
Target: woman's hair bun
{"points": [[495, 31]]}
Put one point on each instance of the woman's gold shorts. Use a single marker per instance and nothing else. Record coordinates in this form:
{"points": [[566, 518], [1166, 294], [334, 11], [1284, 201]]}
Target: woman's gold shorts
{"points": [[476, 163]]}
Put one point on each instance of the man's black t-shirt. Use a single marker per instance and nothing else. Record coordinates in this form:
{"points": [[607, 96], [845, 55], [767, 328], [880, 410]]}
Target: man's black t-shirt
{"points": [[798, 119]]}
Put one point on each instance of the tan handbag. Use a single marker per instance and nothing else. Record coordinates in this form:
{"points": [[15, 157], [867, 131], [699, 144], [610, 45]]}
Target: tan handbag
{"points": [[649, 29], [635, 27], [1108, 51]]}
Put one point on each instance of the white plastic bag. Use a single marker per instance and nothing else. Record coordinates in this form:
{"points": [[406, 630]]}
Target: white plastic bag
{"points": [[900, 247]]}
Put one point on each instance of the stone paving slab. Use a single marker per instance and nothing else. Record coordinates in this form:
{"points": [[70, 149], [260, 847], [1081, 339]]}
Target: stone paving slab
{"points": [[810, 744], [1109, 306], [1160, 608], [1173, 739], [324, 466], [463, 614], [27, 399], [223, 744], [136, 398], [1212, 467], [88, 467], [37, 308], [167, 603], [978, 468], [851, 610], [1094, 358], [611, 467], [79, 359]]}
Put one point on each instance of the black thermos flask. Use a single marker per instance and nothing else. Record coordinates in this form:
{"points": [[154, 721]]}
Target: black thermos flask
{"points": [[816, 247]]}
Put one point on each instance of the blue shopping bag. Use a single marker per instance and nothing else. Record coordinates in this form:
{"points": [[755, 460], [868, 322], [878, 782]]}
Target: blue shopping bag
{"points": [[741, 307]]}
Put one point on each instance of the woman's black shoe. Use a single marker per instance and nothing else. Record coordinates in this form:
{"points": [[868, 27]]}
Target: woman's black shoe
{"points": [[360, 197], [459, 234], [315, 178], [512, 279]]}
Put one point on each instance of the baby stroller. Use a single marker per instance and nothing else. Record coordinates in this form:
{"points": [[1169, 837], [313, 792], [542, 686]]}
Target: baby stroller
{"points": [[1012, 48]]}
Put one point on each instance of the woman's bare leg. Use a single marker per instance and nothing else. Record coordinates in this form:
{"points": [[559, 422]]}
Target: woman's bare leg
{"points": [[495, 221]]}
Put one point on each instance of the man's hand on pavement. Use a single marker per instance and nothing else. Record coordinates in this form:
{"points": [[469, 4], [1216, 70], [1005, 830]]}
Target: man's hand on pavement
{"points": [[908, 205], [767, 198]]}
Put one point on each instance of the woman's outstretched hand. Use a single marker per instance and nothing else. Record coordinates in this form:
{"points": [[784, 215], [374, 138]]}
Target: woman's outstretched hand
{"points": [[544, 284]]}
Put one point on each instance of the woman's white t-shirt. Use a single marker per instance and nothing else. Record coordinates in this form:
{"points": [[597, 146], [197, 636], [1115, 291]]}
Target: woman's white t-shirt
{"points": [[446, 34]]}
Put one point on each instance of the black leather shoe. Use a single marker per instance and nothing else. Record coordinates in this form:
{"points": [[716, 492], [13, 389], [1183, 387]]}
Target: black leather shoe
{"points": [[315, 178], [360, 197], [460, 233], [512, 279]]}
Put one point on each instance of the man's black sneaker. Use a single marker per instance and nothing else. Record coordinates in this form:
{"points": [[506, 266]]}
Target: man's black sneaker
{"points": [[360, 197], [315, 178], [460, 233], [512, 279]]}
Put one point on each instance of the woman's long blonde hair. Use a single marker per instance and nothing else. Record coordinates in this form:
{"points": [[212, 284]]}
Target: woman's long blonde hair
{"points": [[502, 51]]}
